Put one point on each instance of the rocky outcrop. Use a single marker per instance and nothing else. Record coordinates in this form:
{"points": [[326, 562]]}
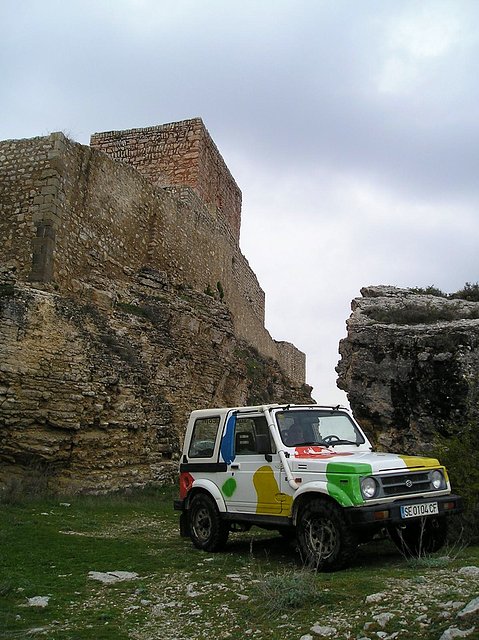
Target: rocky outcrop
{"points": [[95, 395], [410, 365]]}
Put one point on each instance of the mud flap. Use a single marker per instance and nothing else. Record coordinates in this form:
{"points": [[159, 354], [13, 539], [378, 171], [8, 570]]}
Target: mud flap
{"points": [[184, 525]]}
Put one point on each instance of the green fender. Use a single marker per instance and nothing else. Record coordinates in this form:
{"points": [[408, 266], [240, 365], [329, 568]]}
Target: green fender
{"points": [[344, 480], [342, 484], [322, 488]]}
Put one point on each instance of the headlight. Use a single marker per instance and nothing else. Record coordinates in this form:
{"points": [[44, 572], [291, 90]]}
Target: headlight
{"points": [[437, 479], [369, 487]]}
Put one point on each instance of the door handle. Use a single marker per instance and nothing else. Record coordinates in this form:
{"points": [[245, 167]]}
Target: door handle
{"points": [[235, 466]]}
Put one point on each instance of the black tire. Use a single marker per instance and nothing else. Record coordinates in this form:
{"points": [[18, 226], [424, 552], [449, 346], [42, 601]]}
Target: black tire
{"points": [[418, 538], [207, 530], [325, 541], [287, 533]]}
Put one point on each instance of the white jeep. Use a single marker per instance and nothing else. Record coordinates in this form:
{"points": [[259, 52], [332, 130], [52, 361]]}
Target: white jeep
{"points": [[309, 471]]}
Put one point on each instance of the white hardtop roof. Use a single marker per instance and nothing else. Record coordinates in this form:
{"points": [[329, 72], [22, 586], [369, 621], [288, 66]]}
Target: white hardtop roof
{"points": [[199, 413]]}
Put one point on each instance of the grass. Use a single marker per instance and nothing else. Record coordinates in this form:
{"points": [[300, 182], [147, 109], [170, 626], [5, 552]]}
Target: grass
{"points": [[255, 588], [292, 589]]}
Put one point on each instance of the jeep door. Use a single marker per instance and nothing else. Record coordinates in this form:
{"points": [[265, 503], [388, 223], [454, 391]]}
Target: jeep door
{"points": [[251, 482]]}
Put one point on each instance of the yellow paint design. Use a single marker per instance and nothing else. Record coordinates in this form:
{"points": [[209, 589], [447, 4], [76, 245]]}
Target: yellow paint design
{"points": [[270, 499], [286, 504], [413, 462]]}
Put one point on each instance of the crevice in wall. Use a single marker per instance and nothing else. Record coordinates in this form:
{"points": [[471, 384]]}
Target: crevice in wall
{"points": [[43, 246]]}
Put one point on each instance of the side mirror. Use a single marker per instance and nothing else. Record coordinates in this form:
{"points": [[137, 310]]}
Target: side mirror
{"points": [[263, 443]]}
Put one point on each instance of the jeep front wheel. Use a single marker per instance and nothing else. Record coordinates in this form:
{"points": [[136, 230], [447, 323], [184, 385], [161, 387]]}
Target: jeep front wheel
{"points": [[207, 530], [325, 541]]}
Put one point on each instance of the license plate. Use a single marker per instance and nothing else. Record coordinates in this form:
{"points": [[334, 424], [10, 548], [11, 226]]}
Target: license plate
{"points": [[416, 510]]}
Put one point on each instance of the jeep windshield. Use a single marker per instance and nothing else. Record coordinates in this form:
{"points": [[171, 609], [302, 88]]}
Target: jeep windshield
{"points": [[317, 427]]}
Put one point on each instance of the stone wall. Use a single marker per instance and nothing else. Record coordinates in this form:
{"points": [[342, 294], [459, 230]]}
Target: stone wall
{"points": [[95, 399], [84, 223], [410, 366], [123, 306], [29, 204], [178, 154]]}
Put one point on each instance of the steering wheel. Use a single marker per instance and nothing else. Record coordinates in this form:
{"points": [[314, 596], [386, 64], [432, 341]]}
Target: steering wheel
{"points": [[331, 438]]}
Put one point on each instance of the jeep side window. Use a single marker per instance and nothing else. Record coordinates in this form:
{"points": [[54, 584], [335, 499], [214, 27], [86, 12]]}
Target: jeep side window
{"points": [[246, 431], [203, 438]]}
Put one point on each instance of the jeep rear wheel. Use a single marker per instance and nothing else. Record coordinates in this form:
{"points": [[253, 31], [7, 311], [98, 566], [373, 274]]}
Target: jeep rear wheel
{"points": [[325, 541], [207, 530]]}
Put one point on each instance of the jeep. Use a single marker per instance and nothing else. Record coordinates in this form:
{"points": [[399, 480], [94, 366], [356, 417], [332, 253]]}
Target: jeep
{"points": [[307, 471]]}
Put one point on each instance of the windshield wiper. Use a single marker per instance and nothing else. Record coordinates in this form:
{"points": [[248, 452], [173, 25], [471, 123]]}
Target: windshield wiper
{"points": [[323, 443], [333, 443]]}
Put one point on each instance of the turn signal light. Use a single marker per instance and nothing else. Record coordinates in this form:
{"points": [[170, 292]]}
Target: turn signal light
{"points": [[381, 515]]}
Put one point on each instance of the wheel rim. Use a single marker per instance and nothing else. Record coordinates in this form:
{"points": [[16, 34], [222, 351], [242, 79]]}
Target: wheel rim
{"points": [[321, 538], [202, 524]]}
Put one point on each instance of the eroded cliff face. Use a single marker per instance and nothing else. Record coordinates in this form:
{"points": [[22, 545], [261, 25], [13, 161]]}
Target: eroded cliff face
{"points": [[97, 395], [410, 365]]}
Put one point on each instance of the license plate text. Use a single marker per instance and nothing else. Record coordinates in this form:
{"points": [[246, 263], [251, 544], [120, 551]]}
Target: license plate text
{"points": [[423, 509]]}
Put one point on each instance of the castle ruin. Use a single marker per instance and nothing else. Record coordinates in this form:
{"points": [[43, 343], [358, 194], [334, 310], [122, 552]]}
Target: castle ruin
{"points": [[125, 302], [80, 218]]}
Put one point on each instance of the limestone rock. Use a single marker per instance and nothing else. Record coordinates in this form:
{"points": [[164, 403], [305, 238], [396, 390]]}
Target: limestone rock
{"points": [[110, 577], [471, 607], [454, 632], [375, 597], [324, 631], [38, 601], [383, 618], [410, 365], [471, 571], [95, 399]]}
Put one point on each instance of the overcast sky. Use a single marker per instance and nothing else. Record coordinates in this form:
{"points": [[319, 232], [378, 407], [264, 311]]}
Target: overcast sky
{"points": [[351, 127]]}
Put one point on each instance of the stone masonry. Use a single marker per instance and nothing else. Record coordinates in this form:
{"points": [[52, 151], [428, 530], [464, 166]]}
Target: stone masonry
{"points": [[96, 399], [77, 220], [179, 154], [125, 302]]}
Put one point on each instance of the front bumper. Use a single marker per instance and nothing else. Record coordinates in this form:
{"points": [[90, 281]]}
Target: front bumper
{"points": [[390, 512]]}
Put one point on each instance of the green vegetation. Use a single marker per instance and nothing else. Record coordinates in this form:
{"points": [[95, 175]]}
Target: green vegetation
{"points": [[261, 374], [148, 312], [209, 291], [410, 313], [132, 309], [458, 451], [7, 290], [469, 292], [218, 294], [417, 314], [429, 291], [255, 587], [293, 589]]}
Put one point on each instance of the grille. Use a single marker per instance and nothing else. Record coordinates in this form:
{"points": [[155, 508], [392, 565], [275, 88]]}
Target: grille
{"points": [[399, 483]]}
